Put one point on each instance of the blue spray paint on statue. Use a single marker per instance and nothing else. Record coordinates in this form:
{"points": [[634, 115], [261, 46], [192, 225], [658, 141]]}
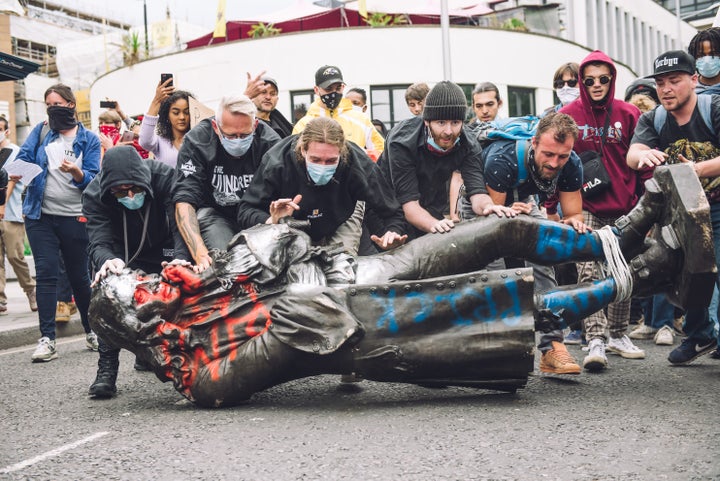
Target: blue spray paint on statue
{"points": [[579, 302], [428, 306], [557, 244]]}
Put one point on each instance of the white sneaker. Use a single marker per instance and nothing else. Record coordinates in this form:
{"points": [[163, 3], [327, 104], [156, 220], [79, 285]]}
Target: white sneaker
{"points": [[91, 341], [665, 336], [45, 351], [625, 348], [596, 359], [643, 332]]}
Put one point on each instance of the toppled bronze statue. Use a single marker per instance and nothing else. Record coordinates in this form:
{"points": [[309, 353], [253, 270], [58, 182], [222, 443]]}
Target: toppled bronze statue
{"points": [[274, 308]]}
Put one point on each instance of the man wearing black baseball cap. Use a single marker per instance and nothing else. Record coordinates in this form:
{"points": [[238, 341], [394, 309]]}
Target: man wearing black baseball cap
{"points": [[357, 127], [683, 115]]}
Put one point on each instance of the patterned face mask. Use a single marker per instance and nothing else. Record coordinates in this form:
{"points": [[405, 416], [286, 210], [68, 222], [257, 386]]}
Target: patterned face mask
{"points": [[331, 100]]}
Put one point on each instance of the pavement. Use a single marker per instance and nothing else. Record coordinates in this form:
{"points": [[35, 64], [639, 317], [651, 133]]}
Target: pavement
{"points": [[19, 325]]}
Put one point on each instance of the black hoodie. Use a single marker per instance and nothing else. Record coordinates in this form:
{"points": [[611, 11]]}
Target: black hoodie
{"points": [[110, 224]]}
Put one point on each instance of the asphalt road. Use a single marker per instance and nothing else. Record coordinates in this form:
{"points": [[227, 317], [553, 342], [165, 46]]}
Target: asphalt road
{"points": [[639, 420]]}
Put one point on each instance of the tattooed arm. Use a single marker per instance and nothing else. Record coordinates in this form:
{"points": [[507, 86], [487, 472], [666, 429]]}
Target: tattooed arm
{"points": [[190, 230]]}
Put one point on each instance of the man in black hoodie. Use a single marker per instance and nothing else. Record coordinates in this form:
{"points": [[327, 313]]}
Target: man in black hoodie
{"points": [[131, 223]]}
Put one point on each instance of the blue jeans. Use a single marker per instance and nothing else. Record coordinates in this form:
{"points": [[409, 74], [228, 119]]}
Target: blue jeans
{"points": [[698, 325], [64, 293], [52, 236], [658, 311]]}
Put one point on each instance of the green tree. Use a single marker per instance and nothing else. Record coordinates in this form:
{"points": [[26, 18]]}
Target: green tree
{"points": [[378, 19], [131, 48], [260, 30]]}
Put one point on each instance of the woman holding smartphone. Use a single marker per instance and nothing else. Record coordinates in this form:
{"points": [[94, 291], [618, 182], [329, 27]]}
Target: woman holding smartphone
{"points": [[166, 122], [69, 156]]}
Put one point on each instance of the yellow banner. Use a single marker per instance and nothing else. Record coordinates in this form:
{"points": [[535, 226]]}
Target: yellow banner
{"points": [[220, 27], [362, 8], [163, 33]]}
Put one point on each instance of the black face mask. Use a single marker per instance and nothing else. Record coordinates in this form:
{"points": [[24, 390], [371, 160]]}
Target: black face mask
{"points": [[331, 100], [61, 118]]}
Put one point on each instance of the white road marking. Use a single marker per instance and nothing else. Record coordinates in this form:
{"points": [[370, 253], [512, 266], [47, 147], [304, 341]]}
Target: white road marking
{"points": [[50, 454]]}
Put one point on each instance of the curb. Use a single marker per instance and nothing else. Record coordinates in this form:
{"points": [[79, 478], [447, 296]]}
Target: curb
{"points": [[29, 335]]}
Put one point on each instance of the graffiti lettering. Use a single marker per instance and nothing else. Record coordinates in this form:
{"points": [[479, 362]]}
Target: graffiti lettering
{"points": [[559, 244], [499, 304]]}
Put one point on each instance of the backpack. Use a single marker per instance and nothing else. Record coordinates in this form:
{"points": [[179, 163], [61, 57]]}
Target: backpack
{"points": [[704, 105], [519, 129]]}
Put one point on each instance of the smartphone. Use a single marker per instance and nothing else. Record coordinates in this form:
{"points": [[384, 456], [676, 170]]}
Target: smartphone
{"points": [[127, 136], [164, 77], [107, 104]]}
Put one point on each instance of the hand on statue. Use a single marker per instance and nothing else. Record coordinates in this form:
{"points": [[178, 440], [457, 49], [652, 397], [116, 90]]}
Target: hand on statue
{"points": [[203, 262], [114, 266], [389, 241], [577, 224], [651, 158], [521, 207], [183, 275], [499, 210], [282, 208], [442, 226]]}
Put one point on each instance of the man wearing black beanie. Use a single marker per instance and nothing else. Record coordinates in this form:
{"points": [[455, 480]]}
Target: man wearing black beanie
{"points": [[421, 154]]}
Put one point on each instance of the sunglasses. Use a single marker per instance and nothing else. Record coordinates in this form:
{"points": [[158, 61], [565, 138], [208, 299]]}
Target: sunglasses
{"points": [[590, 81], [558, 84], [120, 193]]}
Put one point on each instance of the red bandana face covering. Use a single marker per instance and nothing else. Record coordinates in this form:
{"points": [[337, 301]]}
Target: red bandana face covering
{"points": [[109, 130]]}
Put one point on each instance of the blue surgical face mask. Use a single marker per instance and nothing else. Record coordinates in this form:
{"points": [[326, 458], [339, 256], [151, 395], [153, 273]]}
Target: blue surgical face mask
{"points": [[133, 203], [431, 142], [708, 66], [237, 147], [320, 174]]}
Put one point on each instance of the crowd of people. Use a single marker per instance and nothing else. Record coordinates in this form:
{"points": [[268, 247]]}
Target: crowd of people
{"points": [[154, 190]]}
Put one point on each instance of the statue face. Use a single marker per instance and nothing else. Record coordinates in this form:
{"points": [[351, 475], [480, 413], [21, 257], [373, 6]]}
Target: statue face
{"points": [[149, 294], [155, 290]]}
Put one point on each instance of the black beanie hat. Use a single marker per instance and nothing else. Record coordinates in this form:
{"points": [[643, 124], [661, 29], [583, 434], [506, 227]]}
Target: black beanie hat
{"points": [[445, 101]]}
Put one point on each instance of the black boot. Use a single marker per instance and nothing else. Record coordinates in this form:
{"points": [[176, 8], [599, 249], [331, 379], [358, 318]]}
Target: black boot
{"points": [[104, 385]]}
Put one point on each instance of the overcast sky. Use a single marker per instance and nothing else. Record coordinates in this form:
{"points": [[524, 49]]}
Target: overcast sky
{"points": [[198, 12]]}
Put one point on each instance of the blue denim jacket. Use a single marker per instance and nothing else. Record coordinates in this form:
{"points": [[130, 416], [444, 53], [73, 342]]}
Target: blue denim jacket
{"points": [[86, 142]]}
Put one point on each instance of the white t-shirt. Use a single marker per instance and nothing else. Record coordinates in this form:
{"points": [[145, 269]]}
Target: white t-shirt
{"points": [[61, 197]]}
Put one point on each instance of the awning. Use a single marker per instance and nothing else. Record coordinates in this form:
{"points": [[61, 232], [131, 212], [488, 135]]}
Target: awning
{"points": [[15, 68]]}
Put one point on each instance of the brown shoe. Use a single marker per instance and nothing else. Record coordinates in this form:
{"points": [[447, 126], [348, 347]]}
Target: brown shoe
{"points": [[62, 312], [558, 361], [32, 300]]}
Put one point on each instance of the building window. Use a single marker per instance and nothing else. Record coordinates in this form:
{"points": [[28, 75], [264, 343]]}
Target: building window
{"points": [[387, 103], [300, 101], [521, 101]]}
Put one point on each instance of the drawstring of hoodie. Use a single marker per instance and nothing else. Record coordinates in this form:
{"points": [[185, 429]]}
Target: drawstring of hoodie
{"points": [[145, 218]]}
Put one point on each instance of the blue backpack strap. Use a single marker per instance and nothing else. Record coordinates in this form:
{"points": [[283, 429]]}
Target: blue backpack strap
{"points": [[660, 118], [521, 151], [705, 106]]}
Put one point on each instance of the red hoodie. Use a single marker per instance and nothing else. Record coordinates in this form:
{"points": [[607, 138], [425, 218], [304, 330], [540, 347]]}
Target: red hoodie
{"points": [[590, 117]]}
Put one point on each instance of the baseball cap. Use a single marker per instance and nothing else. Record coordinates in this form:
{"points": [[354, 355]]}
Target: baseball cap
{"points": [[673, 61], [270, 80], [328, 75]]}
